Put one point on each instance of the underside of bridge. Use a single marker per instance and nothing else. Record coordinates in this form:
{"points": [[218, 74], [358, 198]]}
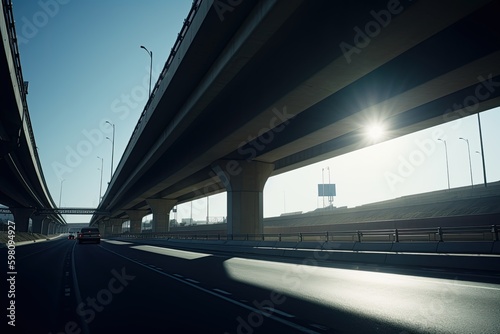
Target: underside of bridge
{"points": [[271, 86], [22, 184]]}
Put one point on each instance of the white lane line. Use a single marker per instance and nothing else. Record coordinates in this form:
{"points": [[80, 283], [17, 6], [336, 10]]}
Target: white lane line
{"points": [[222, 291], [192, 281], [273, 310], [177, 275], [230, 300], [83, 323], [319, 326], [116, 242]]}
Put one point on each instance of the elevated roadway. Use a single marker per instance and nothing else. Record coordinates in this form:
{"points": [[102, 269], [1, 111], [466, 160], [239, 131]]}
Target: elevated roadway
{"points": [[257, 88], [23, 189]]}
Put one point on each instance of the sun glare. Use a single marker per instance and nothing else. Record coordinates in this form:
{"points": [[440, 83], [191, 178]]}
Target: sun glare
{"points": [[375, 131]]}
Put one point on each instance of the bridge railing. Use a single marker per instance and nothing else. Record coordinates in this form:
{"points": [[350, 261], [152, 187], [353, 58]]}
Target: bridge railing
{"points": [[435, 234], [166, 67]]}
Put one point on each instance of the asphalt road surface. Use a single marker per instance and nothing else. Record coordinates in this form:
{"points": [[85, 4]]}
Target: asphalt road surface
{"points": [[121, 287]]}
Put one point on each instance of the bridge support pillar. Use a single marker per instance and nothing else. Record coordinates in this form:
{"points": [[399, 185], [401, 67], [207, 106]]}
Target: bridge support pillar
{"points": [[101, 225], [161, 213], [136, 220], [45, 226], [244, 181], [108, 228], [36, 223], [116, 225], [22, 218], [51, 228]]}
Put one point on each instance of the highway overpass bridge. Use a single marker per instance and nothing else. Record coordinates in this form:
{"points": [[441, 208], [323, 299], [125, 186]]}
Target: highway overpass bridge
{"points": [[253, 89], [22, 184]]}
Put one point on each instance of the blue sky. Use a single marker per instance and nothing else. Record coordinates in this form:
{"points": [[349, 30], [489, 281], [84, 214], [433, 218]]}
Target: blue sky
{"points": [[85, 66]]}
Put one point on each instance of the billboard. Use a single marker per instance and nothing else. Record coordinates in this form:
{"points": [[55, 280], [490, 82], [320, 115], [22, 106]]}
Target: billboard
{"points": [[326, 190]]}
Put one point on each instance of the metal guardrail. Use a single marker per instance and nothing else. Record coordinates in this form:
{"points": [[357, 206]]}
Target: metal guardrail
{"points": [[435, 234]]}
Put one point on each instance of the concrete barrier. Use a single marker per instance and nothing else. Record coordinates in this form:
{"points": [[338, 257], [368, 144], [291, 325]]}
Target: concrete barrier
{"points": [[339, 245], [415, 254], [471, 247], [484, 263], [373, 246], [424, 247], [496, 247]]}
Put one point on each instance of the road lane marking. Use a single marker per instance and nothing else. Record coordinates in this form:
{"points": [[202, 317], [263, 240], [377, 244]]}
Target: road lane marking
{"points": [[192, 281], [83, 324], [186, 255], [180, 276], [273, 310], [116, 242], [222, 291], [218, 295], [320, 327]]}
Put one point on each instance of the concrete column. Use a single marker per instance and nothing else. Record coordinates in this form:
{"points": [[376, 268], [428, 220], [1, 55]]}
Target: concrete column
{"points": [[36, 223], [108, 228], [51, 229], [22, 218], [45, 226], [102, 227], [136, 220], [161, 213], [244, 181], [116, 225]]}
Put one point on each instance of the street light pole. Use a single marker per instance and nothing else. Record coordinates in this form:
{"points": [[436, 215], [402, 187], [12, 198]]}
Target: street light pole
{"points": [[100, 183], [150, 66], [60, 192], [470, 164], [112, 149], [447, 168], [482, 149], [323, 185]]}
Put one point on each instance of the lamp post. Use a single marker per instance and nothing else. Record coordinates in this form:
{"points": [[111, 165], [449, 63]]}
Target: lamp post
{"points": [[60, 192], [100, 183], [150, 66], [208, 206], [470, 164], [323, 185], [482, 148], [447, 168], [112, 149]]}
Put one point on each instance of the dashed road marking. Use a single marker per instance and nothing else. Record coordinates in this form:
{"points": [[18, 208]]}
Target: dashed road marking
{"points": [[273, 310], [192, 281], [233, 301], [324, 328], [222, 291]]}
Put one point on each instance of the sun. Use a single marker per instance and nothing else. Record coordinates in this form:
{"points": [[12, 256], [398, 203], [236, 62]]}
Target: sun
{"points": [[375, 131]]}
